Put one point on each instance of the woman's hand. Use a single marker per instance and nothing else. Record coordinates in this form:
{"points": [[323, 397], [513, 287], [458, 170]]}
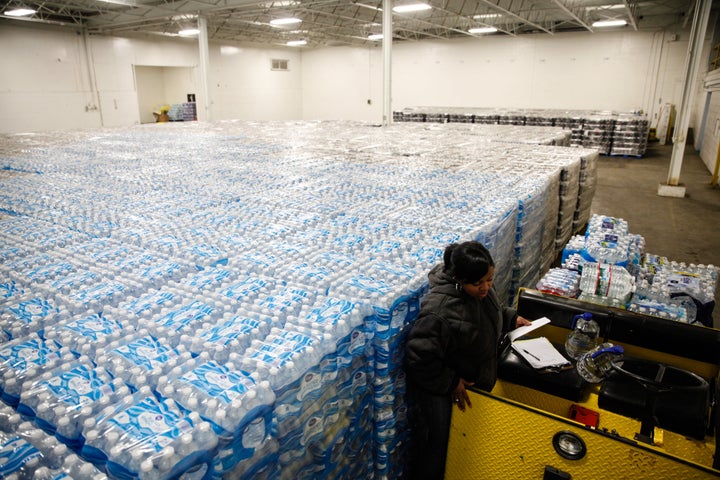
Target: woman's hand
{"points": [[521, 322], [459, 395]]}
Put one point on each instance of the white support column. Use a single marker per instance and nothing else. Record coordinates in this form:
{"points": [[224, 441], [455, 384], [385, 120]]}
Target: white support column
{"points": [[692, 64], [387, 62], [203, 100]]}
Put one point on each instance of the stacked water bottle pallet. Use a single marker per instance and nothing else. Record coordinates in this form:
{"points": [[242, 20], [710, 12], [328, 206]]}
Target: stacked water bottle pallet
{"points": [[572, 175], [609, 266], [630, 136], [598, 132], [183, 112], [611, 133], [241, 314], [531, 135]]}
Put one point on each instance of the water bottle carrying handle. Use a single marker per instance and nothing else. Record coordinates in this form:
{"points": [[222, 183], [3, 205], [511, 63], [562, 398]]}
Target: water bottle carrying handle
{"points": [[585, 316], [615, 349]]}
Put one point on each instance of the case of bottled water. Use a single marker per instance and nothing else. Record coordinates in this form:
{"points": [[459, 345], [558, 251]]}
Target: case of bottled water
{"points": [[141, 360], [283, 301], [204, 280], [27, 314], [24, 360], [247, 288], [185, 319], [560, 281], [676, 290], [9, 289], [147, 304], [238, 407], [149, 436], [27, 453], [60, 400], [607, 240], [233, 335], [606, 284], [87, 334]]}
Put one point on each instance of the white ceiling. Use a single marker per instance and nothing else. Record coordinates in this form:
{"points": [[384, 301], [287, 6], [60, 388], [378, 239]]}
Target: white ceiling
{"points": [[348, 22]]}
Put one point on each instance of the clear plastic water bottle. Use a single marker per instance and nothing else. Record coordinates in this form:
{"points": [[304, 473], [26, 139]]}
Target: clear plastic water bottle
{"points": [[593, 366], [583, 335]]}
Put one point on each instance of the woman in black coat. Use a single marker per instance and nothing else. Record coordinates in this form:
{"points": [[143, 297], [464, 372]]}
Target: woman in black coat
{"points": [[452, 345]]}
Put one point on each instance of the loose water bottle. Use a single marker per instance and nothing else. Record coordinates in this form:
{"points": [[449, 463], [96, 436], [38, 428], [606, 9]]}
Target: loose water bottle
{"points": [[594, 365], [583, 335]]}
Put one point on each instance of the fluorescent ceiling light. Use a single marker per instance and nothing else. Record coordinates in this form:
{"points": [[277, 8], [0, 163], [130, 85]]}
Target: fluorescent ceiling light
{"points": [[19, 12], [411, 7], [483, 30], [189, 18], [285, 21], [375, 36], [487, 15], [368, 6], [281, 3], [127, 3], [610, 23], [188, 32], [605, 7], [296, 43]]}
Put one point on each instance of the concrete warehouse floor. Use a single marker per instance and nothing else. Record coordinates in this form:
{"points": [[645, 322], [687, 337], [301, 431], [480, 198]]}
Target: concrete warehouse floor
{"points": [[681, 229]]}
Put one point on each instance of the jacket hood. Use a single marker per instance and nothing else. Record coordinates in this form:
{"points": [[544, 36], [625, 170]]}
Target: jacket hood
{"points": [[439, 278], [442, 282]]}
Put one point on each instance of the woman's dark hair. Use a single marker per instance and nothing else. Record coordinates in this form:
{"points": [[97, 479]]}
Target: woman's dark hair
{"points": [[467, 262]]}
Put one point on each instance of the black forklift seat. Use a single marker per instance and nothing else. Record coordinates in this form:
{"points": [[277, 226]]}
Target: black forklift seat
{"points": [[564, 383]]}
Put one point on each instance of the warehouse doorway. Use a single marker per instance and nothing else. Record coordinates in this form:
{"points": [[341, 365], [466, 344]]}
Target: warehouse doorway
{"points": [[159, 87]]}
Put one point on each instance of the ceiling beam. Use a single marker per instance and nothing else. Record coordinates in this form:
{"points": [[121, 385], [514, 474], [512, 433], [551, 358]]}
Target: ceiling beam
{"points": [[629, 10], [579, 20], [472, 21], [143, 13], [513, 15]]}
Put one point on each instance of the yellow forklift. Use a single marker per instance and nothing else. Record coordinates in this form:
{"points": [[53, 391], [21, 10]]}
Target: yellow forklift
{"points": [[653, 417]]}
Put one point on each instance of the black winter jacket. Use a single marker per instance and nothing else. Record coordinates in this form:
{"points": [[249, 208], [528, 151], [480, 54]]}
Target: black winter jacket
{"points": [[455, 336]]}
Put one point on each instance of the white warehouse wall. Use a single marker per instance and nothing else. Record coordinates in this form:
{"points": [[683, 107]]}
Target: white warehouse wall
{"points": [[338, 82], [243, 86], [622, 71], [44, 81], [710, 142], [113, 59], [46, 84]]}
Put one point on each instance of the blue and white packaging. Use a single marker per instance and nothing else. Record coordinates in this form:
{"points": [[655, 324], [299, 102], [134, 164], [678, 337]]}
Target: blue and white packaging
{"points": [[233, 335], [185, 318], [89, 333], [25, 359], [237, 406], [144, 359], [27, 450], [208, 279], [247, 288], [147, 436], [61, 400], [28, 314]]}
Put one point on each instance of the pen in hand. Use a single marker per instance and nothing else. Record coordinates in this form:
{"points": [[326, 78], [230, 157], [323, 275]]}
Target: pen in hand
{"points": [[533, 356]]}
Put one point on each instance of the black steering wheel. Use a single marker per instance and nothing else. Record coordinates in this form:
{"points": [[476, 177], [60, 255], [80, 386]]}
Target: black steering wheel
{"points": [[656, 379], [659, 377]]}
